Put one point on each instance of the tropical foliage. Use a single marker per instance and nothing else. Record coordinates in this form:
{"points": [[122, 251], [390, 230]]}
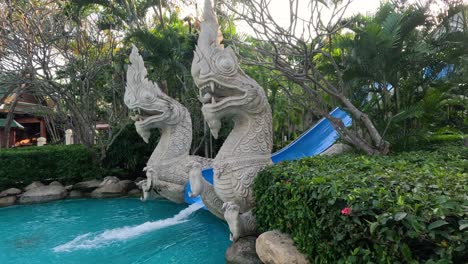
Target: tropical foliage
{"points": [[405, 208], [404, 70], [391, 64]]}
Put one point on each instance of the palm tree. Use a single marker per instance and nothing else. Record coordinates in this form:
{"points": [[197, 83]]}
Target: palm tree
{"points": [[385, 61]]}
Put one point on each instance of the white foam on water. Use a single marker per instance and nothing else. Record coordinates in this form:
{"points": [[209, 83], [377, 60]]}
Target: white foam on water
{"points": [[90, 241]]}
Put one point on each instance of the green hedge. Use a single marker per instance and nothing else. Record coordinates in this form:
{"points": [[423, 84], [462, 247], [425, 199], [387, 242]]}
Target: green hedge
{"points": [[406, 208], [68, 164]]}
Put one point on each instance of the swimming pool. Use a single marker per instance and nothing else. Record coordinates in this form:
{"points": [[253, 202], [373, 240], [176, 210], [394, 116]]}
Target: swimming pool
{"points": [[123, 230]]}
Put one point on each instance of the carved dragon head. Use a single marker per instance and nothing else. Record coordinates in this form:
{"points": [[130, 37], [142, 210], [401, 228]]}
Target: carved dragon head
{"points": [[150, 107], [223, 86]]}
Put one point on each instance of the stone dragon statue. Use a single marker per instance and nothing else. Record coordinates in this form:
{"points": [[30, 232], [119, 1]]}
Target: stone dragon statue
{"points": [[166, 171], [226, 91]]}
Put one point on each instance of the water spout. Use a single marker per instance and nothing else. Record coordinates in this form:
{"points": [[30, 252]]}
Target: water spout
{"points": [[90, 240]]}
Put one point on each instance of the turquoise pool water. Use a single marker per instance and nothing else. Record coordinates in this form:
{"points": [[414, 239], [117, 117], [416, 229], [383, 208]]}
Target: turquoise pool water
{"points": [[111, 231]]}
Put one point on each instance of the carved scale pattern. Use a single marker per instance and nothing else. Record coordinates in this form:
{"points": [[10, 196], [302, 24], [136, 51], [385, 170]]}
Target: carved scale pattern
{"points": [[242, 158]]}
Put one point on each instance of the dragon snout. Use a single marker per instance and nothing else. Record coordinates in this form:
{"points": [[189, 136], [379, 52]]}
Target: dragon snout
{"points": [[136, 111], [135, 114]]}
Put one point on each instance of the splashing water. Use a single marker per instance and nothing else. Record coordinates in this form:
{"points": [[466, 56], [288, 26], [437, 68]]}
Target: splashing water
{"points": [[87, 241]]}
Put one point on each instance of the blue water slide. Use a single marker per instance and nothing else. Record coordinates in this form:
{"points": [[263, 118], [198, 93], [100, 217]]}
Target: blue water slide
{"points": [[314, 141], [442, 74]]}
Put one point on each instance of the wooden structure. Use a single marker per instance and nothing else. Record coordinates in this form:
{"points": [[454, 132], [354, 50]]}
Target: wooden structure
{"points": [[15, 128], [29, 123]]}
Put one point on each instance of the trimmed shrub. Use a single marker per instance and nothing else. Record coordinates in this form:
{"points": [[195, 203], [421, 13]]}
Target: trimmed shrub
{"points": [[406, 208], [68, 164]]}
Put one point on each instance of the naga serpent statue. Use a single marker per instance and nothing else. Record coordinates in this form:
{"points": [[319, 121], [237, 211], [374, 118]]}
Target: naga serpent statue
{"points": [[226, 91], [166, 171]]}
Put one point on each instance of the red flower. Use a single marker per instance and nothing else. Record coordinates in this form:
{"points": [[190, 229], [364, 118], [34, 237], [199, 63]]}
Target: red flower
{"points": [[346, 211]]}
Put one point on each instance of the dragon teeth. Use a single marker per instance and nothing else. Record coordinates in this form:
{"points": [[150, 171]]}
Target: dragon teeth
{"points": [[212, 84], [209, 91], [206, 98]]}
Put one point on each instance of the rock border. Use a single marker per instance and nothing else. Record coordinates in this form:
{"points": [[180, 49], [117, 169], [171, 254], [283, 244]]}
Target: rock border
{"points": [[275, 247], [38, 192]]}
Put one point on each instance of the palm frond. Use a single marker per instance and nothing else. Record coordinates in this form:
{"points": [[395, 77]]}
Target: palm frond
{"points": [[391, 29]]}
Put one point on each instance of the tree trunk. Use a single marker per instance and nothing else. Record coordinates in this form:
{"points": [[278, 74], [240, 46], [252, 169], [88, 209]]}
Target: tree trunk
{"points": [[106, 148], [161, 18], [9, 120], [83, 128], [52, 129], [382, 146]]}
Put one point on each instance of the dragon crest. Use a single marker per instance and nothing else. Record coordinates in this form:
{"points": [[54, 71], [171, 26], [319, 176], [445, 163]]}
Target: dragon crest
{"points": [[223, 85], [151, 107]]}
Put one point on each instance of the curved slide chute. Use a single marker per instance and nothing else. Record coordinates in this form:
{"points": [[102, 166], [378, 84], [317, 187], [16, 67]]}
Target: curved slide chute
{"points": [[314, 141]]}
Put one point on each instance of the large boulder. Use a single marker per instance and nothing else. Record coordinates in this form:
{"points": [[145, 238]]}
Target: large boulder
{"points": [[75, 194], [33, 185], [7, 201], [109, 190], [55, 183], [43, 194], [109, 179], [10, 192], [87, 186], [274, 247], [128, 185], [242, 252], [134, 193], [337, 149]]}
